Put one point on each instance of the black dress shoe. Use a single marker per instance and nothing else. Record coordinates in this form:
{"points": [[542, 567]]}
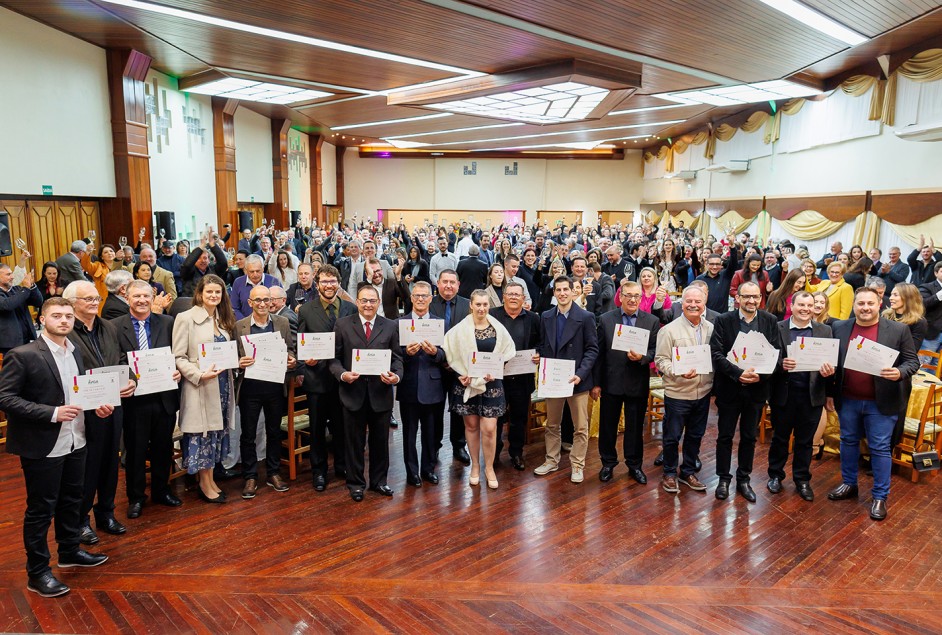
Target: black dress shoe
{"points": [[805, 491], [356, 495], [461, 455], [638, 475], [385, 490], [415, 480], [320, 482], [47, 586], [843, 492], [219, 500], [134, 510], [430, 477], [697, 466], [659, 460], [745, 490], [517, 462], [168, 500], [722, 490], [341, 473], [87, 535], [81, 558], [878, 509], [224, 474], [605, 474], [775, 485], [110, 526]]}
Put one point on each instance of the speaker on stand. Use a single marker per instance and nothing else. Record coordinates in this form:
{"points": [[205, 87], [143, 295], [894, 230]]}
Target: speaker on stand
{"points": [[6, 242], [167, 223], [245, 221]]}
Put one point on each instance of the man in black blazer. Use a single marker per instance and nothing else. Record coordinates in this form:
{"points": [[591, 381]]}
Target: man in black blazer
{"points": [[622, 381], [148, 419], [869, 405], [116, 303], [740, 394], [391, 291], [319, 386], [472, 272], [452, 308], [367, 399], [796, 399], [16, 325], [421, 394], [568, 332], [49, 437], [931, 293], [69, 265]]}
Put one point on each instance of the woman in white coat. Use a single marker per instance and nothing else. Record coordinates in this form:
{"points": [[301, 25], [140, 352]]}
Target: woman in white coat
{"points": [[207, 397]]}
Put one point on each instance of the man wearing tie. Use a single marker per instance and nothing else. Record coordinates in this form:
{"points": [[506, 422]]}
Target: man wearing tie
{"points": [[623, 381], [320, 387], [367, 399]]}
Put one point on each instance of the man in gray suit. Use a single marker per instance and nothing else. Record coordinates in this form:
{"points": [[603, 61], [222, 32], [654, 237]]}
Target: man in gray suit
{"points": [[70, 267]]}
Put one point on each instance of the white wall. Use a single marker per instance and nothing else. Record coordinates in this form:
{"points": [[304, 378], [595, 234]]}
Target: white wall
{"points": [[254, 173], [182, 163], [299, 172], [328, 174], [540, 184], [53, 82]]}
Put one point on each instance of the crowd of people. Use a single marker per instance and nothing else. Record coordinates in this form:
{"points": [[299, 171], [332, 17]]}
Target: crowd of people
{"points": [[524, 293]]}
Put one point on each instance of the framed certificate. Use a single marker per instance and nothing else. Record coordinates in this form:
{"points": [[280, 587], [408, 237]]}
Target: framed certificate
{"points": [[483, 364], [367, 361]]}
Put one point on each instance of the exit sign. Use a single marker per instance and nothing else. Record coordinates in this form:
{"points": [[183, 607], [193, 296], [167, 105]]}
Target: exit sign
{"points": [[47, 190]]}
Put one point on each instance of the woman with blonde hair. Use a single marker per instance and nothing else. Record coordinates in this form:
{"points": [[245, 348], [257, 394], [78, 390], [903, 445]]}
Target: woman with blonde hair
{"points": [[821, 308], [840, 294], [810, 269], [906, 306], [496, 281]]}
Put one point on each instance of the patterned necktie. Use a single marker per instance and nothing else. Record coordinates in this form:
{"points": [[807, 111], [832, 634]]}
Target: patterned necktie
{"points": [[369, 331], [142, 337]]}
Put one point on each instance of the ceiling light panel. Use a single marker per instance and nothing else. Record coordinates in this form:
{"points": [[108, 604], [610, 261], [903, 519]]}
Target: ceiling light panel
{"points": [[557, 103], [818, 21], [262, 92], [654, 124], [741, 93]]}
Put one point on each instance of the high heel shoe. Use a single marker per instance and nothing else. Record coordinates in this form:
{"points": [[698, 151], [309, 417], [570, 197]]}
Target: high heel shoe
{"points": [[491, 482], [819, 453], [474, 480], [218, 500]]}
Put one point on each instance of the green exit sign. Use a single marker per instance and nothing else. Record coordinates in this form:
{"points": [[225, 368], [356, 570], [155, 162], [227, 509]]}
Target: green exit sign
{"points": [[47, 190]]}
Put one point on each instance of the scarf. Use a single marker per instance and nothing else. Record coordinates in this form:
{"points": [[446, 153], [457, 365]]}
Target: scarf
{"points": [[460, 343]]}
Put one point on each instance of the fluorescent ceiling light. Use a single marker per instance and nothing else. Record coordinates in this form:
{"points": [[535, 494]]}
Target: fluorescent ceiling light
{"points": [[262, 92], [291, 37], [389, 121], [817, 21], [552, 134], [632, 111], [579, 145], [453, 130], [741, 93], [405, 145], [555, 103]]}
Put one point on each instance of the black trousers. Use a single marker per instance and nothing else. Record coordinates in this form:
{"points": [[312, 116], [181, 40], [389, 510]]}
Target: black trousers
{"points": [[746, 412], [456, 423], [517, 416], [610, 409], [254, 399], [358, 424], [797, 416], [325, 413], [147, 426], [54, 489], [102, 442], [419, 419]]}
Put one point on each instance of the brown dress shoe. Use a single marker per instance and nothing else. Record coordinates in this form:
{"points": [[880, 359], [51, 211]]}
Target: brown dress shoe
{"points": [[693, 483], [251, 486], [277, 483], [669, 484]]}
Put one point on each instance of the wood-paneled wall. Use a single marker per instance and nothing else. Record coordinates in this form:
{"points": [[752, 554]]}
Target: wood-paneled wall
{"points": [[49, 227]]}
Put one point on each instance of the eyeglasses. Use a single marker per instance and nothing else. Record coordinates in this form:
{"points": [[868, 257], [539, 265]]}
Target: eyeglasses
{"points": [[751, 297], [631, 296], [260, 300], [328, 283], [92, 299], [367, 301], [421, 296]]}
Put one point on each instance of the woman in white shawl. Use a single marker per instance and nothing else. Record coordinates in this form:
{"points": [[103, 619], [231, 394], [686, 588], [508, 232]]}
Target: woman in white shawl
{"points": [[480, 400]]}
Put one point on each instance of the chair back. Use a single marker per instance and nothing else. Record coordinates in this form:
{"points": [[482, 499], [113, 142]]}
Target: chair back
{"points": [[930, 362]]}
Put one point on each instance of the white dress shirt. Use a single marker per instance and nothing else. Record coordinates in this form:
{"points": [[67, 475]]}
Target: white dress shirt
{"points": [[71, 433]]}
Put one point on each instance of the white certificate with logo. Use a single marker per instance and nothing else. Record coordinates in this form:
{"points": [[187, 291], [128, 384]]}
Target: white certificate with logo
{"points": [[630, 338], [810, 353], [316, 346], [90, 392], [761, 360], [270, 365], [521, 364], [224, 355], [867, 356], [412, 331], [153, 369], [367, 361], [553, 378], [685, 358], [482, 364]]}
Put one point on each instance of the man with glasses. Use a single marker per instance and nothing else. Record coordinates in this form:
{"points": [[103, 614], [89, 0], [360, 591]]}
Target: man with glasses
{"points": [[740, 394], [16, 325], [243, 285], [319, 386], [718, 278]]}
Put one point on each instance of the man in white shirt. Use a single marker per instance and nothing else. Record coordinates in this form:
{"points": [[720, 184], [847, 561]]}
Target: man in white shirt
{"points": [[464, 245], [442, 260]]}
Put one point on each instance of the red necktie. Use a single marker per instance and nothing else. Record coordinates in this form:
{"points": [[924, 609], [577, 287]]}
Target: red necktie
{"points": [[369, 331]]}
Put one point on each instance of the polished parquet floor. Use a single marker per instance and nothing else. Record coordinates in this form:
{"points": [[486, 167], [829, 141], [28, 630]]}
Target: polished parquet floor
{"points": [[539, 555]]}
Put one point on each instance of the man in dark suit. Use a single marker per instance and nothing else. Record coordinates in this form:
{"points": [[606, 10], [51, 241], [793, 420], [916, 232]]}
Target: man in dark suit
{"points": [[279, 307], [367, 399], [319, 386], [568, 332], [148, 419], [16, 325], [421, 394], [390, 290], [796, 399], [452, 308], [772, 268], [931, 293], [605, 299], [69, 265], [740, 394], [472, 272], [116, 304], [894, 271], [197, 264], [49, 437], [304, 290], [622, 381], [869, 405]]}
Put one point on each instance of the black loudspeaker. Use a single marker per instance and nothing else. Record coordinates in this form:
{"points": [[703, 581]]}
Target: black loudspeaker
{"points": [[166, 222], [295, 217], [6, 243], [245, 221]]}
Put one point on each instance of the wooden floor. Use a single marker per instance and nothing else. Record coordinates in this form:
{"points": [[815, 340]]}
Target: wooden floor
{"points": [[539, 555]]}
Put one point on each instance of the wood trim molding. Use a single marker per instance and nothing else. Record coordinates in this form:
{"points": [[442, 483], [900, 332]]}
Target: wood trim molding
{"points": [[841, 207], [907, 208], [693, 207], [278, 208], [227, 207], [340, 151], [747, 208], [316, 146]]}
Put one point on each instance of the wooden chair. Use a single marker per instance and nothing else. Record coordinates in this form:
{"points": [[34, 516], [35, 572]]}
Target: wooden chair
{"points": [[655, 411], [177, 470], [765, 423], [297, 426], [930, 362], [536, 418], [927, 428]]}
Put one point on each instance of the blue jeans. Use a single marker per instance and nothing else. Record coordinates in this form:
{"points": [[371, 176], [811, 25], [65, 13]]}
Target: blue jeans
{"points": [[861, 418], [687, 417], [930, 345]]}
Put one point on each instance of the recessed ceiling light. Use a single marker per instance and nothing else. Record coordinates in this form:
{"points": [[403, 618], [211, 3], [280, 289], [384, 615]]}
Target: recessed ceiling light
{"points": [[560, 103], [817, 21], [392, 121], [262, 92], [551, 134], [741, 93], [632, 111], [405, 145], [437, 132]]}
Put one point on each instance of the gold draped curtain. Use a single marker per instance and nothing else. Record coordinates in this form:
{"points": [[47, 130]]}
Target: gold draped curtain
{"points": [[703, 230], [690, 221], [921, 67], [867, 230], [654, 217], [910, 233], [810, 225], [764, 227], [732, 222]]}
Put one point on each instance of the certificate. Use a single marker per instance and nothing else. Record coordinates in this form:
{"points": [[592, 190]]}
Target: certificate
{"points": [[554, 376], [686, 358], [761, 360], [867, 356], [89, 392], [413, 331], [810, 353], [224, 355], [521, 364], [316, 346], [481, 364], [367, 361], [630, 338], [120, 371], [153, 369], [271, 364]]}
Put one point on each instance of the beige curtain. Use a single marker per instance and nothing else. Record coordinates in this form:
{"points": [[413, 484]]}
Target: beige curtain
{"points": [[764, 227], [858, 85], [680, 146], [867, 230], [793, 106], [690, 222], [923, 67], [703, 229], [773, 128], [649, 157], [810, 225], [755, 121], [732, 222], [710, 150], [654, 217], [910, 233], [664, 153], [724, 132], [700, 138]]}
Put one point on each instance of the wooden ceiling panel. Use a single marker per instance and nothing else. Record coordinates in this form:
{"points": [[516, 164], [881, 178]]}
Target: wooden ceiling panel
{"points": [[872, 17]]}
